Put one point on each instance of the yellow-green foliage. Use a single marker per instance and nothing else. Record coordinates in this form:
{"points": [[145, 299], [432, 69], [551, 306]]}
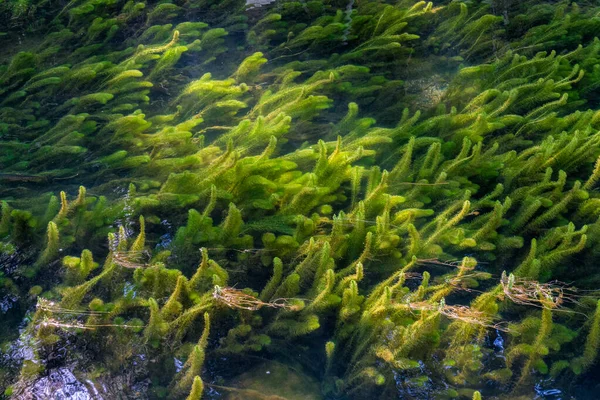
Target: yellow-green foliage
{"points": [[361, 174], [188, 377], [78, 268], [592, 344], [197, 389], [50, 253]]}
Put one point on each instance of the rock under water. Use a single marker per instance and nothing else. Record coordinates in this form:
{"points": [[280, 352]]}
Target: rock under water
{"points": [[270, 381]]}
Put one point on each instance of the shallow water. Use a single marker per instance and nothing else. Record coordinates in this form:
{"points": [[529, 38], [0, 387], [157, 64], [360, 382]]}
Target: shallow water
{"points": [[152, 116]]}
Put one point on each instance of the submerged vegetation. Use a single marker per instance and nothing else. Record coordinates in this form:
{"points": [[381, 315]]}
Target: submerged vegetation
{"points": [[393, 197]]}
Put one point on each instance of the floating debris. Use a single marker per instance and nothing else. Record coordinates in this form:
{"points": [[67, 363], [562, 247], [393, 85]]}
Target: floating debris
{"points": [[236, 298]]}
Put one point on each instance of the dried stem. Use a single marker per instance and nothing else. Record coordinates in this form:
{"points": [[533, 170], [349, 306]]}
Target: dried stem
{"points": [[236, 298]]}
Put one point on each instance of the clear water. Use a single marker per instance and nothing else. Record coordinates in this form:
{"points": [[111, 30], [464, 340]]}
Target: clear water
{"points": [[294, 369]]}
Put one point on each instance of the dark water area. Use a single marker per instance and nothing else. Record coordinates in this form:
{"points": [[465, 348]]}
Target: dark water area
{"points": [[280, 199]]}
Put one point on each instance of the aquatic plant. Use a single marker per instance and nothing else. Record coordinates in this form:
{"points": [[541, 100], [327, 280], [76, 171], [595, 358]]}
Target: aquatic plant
{"points": [[332, 210]]}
